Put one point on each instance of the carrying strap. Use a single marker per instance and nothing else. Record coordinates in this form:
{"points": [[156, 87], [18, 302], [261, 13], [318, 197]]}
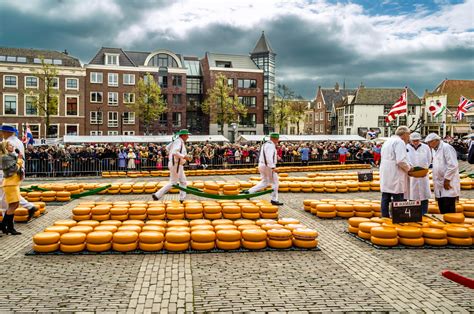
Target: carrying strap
{"points": [[262, 150], [179, 160]]}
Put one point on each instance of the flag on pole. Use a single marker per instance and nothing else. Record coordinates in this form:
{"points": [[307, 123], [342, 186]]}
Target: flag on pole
{"points": [[464, 105], [28, 137], [436, 109], [399, 108]]}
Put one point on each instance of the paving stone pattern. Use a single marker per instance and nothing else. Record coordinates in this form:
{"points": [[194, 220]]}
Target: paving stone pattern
{"points": [[346, 275]]}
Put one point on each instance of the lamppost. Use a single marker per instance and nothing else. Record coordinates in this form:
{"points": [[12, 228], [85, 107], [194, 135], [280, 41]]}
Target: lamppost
{"points": [[99, 113], [122, 116], [234, 128]]}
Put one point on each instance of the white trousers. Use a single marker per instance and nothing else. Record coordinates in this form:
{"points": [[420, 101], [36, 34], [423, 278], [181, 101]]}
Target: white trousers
{"points": [[175, 177], [268, 177]]}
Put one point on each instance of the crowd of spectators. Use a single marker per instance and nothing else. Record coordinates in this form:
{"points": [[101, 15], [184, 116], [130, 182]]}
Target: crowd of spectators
{"points": [[75, 160]]}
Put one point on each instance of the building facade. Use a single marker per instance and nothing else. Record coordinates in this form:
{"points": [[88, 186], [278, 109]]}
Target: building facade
{"points": [[22, 82]]}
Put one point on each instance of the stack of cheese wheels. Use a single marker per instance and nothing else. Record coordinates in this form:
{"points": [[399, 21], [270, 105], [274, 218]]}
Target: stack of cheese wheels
{"points": [[342, 187], [306, 186], [344, 210], [45, 242], [203, 237], [138, 188], [82, 212], [34, 196], [307, 205], [41, 207], [99, 241], [150, 187], [48, 196], [459, 234], [74, 188], [318, 187], [231, 189], [364, 229], [211, 188], [254, 239], [114, 189], [156, 212], [266, 212], [231, 210], [252, 211], [72, 242], [376, 209], [364, 186], [137, 211], [410, 235], [21, 214], [63, 196], [125, 240], [228, 239], [363, 209], [151, 241], [435, 236], [295, 187], [384, 236], [375, 186], [125, 188], [101, 212], [326, 210], [305, 238], [354, 224], [353, 186], [177, 240], [454, 218], [468, 210], [193, 210], [212, 210], [174, 210], [119, 211], [330, 187], [280, 238]]}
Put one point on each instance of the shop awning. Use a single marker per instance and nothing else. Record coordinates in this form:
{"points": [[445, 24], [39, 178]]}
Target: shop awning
{"points": [[462, 129]]}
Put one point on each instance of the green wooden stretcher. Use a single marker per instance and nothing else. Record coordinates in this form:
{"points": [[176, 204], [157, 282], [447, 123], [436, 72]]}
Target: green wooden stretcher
{"points": [[198, 192]]}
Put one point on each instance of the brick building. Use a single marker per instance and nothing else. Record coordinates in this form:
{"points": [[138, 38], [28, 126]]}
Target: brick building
{"points": [[21, 81]]}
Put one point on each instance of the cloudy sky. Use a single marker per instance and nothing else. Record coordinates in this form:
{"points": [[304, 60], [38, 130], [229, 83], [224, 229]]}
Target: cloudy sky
{"points": [[380, 43]]}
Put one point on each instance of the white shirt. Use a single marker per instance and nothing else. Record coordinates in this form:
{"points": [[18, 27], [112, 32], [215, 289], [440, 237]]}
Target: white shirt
{"points": [[394, 166], [177, 152], [419, 188], [445, 166], [268, 155]]}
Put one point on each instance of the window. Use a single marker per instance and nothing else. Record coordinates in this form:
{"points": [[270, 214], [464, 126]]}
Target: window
{"points": [[329, 117], [53, 82], [177, 81], [321, 116], [95, 133], [249, 121], [53, 101], [223, 64], [72, 105], [10, 81], [128, 98], [111, 59], [163, 119], [96, 117], [176, 99], [96, 97], [53, 131], [96, 77], [381, 121], [31, 82], [230, 82], [72, 83], [35, 130], [193, 85], [162, 60], [72, 129], [348, 131], [57, 61], [112, 133], [129, 79], [346, 120], [113, 99], [176, 119], [112, 119], [402, 120], [30, 108], [321, 128], [248, 101], [128, 132], [351, 109], [351, 121], [129, 118], [386, 109], [10, 104], [113, 79], [247, 84], [319, 105], [163, 81]]}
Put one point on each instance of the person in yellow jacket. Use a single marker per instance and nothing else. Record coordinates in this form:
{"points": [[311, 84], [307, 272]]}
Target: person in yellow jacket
{"points": [[12, 167]]}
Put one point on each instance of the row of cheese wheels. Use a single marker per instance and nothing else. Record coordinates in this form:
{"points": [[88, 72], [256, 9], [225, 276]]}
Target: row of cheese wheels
{"points": [[382, 232], [21, 213], [177, 235], [210, 172], [47, 196], [189, 209], [346, 208]]}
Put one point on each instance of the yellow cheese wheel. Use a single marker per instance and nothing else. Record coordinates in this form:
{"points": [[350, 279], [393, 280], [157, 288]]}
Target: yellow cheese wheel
{"points": [[436, 242], [66, 222], [364, 214], [73, 238], [119, 217], [454, 218], [81, 217], [228, 245], [385, 241], [72, 248], [326, 214], [110, 228], [460, 241], [305, 234], [344, 208], [81, 211], [225, 227], [436, 224], [91, 223], [355, 221], [457, 232], [102, 247], [156, 211], [203, 236], [307, 244], [269, 215], [203, 246], [367, 226], [176, 247], [46, 248], [409, 232], [124, 247], [202, 227], [345, 214], [177, 223], [383, 232], [232, 209], [325, 208], [212, 209], [125, 237], [279, 234], [364, 235], [254, 235], [261, 222], [101, 217], [228, 235], [150, 247], [254, 245], [137, 211], [133, 222], [194, 210], [99, 237], [222, 222], [279, 244], [434, 233], [100, 210], [63, 194], [134, 228], [45, 238], [411, 241], [58, 229], [157, 222], [116, 223], [256, 209], [354, 230], [119, 211], [178, 237], [269, 226]]}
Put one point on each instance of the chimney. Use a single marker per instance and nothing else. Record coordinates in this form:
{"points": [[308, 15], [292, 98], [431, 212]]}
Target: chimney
{"points": [[336, 87], [65, 52]]}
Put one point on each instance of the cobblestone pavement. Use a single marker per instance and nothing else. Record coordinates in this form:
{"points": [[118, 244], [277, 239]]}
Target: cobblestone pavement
{"points": [[346, 275]]}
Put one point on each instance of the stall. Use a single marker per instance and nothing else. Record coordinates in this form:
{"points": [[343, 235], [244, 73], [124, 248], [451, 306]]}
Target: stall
{"points": [[304, 138], [115, 139]]}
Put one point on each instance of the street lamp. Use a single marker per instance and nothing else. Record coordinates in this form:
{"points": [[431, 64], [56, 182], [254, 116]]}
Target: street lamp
{"points": [[234, 128], [99, 113], [122, 116]]}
